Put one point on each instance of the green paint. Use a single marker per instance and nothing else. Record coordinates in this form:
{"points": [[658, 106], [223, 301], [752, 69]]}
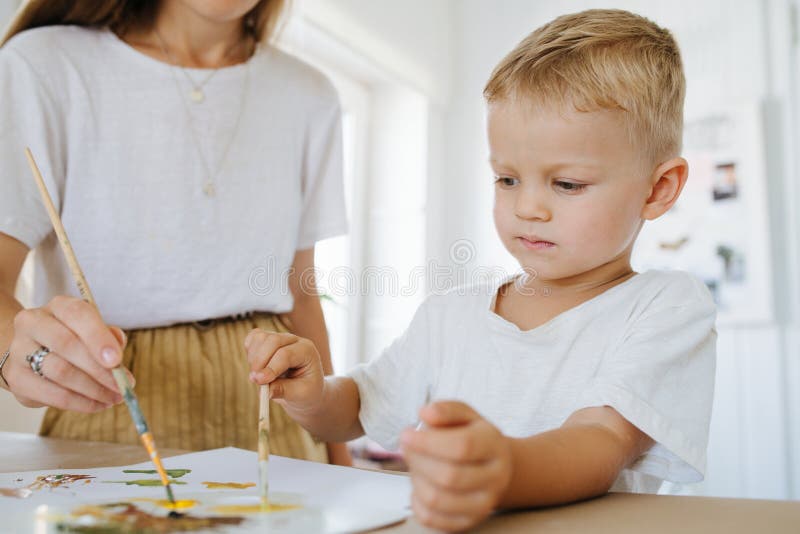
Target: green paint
{"points": [[174, 473], [143, 482]]}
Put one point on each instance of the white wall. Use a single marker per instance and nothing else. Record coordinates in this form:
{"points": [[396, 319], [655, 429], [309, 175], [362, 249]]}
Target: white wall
{"points": [[7, 8], [410, 45], [415, 36], [414, 40], [785, 74]]}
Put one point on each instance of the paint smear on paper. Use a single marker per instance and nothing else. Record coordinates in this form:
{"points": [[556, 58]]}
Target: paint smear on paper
{"points": [[180, 504], [229, 485], [172, 473], [143, 482], [17, 493], [57, 481], [61, 480], [254, 508], [126, 518]]}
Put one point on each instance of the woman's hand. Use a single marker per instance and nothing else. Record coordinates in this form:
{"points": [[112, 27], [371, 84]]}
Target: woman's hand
{"points": [[76, 372], [460, 466], [290, 365]]}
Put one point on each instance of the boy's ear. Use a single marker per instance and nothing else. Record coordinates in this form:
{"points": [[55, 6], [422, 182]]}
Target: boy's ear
{"points": [[668, 181]]}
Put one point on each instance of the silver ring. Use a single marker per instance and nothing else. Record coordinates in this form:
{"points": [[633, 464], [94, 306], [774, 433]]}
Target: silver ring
{"points": [[36, 358]]}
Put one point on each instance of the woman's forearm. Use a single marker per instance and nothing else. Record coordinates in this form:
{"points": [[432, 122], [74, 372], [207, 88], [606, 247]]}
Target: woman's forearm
{"points": [[9, 307], [12, 255], [308, 321]]}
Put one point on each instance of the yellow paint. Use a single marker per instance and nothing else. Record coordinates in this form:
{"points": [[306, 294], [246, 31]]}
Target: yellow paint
{"points": [[229, 485], [167, 505], [254, 508]]}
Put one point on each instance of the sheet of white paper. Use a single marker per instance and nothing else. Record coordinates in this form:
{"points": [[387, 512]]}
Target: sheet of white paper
{"points": [[332, 498]]}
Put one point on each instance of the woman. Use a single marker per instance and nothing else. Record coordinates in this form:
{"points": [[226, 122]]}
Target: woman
{"points": [[194, 167]]}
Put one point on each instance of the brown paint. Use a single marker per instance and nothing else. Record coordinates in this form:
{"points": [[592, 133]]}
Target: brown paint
{"points": [[124, 518]]}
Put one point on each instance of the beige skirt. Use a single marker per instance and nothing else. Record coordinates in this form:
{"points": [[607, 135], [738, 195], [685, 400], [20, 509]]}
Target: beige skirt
{"points": [[193, 388]]}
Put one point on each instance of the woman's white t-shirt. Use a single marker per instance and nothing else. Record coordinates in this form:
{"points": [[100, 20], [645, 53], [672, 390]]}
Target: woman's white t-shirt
{"points": [[646, 347], [109, 128]]}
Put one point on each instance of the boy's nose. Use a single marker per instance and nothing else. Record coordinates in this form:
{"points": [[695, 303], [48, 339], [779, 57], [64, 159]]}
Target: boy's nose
{"points": [[532, 207]]}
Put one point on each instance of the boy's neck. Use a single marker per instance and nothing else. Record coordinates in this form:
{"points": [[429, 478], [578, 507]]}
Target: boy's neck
{"points": [[536, 300], [591, 282]]}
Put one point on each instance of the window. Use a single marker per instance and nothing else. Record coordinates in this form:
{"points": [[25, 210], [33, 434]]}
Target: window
{"points": [[371, 279]]}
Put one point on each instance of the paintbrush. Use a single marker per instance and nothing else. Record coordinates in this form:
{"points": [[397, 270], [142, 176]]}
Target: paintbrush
{"points": [[120, 376], [263, 444]]}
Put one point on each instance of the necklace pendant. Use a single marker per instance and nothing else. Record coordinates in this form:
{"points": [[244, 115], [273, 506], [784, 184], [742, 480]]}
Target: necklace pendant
{"points": [[209, 189], [196, 95]]}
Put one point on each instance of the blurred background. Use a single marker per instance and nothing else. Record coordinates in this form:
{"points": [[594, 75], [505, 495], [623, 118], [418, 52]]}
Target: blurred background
{"points": [[419, 190]]}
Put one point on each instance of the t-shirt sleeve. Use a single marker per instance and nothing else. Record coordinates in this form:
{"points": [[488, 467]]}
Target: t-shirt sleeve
{"points": [[661, 379], [323, 214], [394, 386], [28, 118]]}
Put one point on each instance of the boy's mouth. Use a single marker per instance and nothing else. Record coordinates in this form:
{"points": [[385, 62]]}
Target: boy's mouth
{"points": [[535, 243]]}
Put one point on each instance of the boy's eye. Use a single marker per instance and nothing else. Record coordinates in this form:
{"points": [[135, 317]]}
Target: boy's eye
{"points": [[569, 187], [505, 181]]}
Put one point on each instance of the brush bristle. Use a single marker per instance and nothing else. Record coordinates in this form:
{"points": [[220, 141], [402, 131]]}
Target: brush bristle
{"points": [[169, 494]]}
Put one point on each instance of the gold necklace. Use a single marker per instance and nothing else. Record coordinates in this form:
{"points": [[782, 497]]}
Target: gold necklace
{"points": [[196, 94], [209, 187]]}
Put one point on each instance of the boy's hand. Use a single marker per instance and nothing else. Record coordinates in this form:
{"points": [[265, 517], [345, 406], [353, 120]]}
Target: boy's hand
{"points": [[290, 364], [460, 466]]}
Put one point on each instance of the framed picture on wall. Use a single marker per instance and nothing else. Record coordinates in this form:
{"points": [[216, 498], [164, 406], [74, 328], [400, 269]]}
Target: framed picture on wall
{"points": [[719, 228]]}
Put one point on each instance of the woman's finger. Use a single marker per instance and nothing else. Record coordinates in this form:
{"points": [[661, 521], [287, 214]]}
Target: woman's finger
{"points": [[42, 328], [39, 391], [60, 371], [119, 333], [85, 321]]}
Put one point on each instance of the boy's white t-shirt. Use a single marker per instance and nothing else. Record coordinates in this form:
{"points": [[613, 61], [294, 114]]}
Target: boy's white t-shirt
{"points": [[645, 347], [110, 131]]}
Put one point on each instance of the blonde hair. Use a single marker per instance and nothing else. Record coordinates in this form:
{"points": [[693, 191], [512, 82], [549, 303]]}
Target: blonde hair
{"points": [[602, 59], [121, 16]]}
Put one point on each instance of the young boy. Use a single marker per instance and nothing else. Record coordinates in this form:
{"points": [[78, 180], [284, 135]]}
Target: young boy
{"points": [[580, 375]]}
